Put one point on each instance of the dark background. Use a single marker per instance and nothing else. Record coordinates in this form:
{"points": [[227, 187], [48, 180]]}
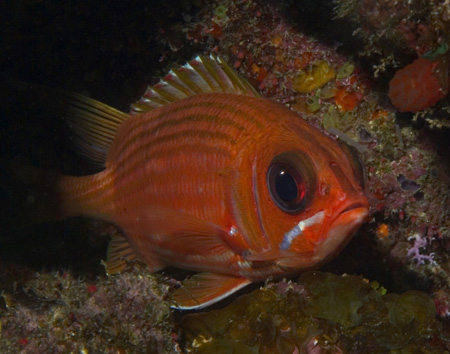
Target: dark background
{"points": [[108, 50]]}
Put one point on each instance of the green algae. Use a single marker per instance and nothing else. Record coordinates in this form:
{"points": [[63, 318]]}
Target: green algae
{"points": [[220, 11], [323, 311], [313, 104], [331, 118], [345, 70]]}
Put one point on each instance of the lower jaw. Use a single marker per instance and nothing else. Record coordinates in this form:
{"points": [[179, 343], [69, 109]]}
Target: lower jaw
{"points": [[341, 232]]}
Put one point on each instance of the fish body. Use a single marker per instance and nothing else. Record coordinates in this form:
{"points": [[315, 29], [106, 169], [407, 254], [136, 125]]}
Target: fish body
{"points": [[217, 180]]}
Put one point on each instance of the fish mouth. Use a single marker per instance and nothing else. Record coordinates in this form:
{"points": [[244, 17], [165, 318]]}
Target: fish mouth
{"points": [[353, 206], [335, 235], [351, 215], [342, 228]]}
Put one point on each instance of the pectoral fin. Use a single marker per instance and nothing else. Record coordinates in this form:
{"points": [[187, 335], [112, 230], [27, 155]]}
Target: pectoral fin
{"points": [[166, 228], [204, 289]]}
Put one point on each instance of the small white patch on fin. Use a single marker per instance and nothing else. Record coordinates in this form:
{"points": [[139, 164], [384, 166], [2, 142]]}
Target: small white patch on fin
{"points": [[204, 289], [94, 124], [119, 254], [201, 75]]}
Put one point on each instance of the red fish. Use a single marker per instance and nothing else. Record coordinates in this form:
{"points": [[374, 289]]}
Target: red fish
{"points": [[205, 175]]}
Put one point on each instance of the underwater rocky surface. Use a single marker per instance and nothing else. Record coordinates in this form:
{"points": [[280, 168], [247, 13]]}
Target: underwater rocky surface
{"points": [[329, 61], [53, 312], [321, 313]]}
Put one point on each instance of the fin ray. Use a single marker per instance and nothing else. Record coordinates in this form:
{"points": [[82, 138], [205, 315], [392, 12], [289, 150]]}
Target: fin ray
{"points": [[119, 254], [93, 123], [203, 74], [204, 289]]}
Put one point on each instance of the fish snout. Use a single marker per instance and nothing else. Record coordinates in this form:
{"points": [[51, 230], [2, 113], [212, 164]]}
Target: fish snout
{"points": [[348, 220], [337, 233]]}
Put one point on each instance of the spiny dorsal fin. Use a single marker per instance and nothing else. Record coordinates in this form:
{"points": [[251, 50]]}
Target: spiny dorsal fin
{"points": [[94, 124], [203, 74]]}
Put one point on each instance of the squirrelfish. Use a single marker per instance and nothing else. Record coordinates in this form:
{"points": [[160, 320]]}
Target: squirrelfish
{"points": [[206, 175]]}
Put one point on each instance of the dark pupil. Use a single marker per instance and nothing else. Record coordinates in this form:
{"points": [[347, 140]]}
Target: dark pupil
{"points": [[286, 186]]}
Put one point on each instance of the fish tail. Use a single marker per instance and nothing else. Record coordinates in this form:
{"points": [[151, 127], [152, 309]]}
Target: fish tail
{"points": [[48, 195]]}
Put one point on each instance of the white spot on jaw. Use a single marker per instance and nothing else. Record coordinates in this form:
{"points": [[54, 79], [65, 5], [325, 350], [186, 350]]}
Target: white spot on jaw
{"points": [[298, 229], [232, 231]]}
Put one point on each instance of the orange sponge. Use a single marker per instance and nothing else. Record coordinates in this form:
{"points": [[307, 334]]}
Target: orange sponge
{"points": [[417, 86]]}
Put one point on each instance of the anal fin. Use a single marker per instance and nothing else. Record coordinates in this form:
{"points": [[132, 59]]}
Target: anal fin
{"points": [[204, 289]]}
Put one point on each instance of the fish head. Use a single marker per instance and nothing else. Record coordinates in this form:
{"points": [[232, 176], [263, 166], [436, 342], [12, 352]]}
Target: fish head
{"points": [[306, 199]]}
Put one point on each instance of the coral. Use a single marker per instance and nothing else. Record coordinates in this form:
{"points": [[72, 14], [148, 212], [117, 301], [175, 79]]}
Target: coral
{"points": [[407, 172], [383, 231], [416, 86], [323, 313]]}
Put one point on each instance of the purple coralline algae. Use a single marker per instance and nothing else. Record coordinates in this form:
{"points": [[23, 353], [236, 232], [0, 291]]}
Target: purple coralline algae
{"points": [[415, 251]]}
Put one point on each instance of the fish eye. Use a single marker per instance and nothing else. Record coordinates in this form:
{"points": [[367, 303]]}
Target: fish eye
{"points": [[288, 182], [287, 187]]}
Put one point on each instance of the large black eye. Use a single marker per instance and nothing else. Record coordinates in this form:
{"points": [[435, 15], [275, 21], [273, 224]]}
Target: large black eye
{"points": [[288, 181]]}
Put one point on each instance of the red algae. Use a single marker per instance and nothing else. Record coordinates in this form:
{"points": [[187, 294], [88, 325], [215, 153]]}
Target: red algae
{"points": [[347, 100]]}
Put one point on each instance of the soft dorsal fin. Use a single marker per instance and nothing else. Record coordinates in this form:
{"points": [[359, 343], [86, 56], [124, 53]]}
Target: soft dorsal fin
{"points": [[94, 124], [201, 75]]}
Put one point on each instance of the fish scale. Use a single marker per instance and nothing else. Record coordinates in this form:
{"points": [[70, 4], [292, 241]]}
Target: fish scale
{"points": [[201, 139], [184, 119]]}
